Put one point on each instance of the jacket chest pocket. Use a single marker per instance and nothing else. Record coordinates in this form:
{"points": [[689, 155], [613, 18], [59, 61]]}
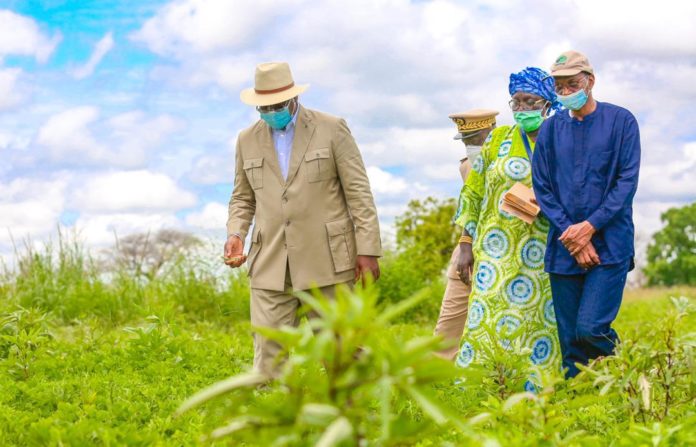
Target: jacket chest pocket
{"points": [[319, 165], [253, 168]]}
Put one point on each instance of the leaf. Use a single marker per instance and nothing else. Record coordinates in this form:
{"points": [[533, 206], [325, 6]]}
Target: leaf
{"points": [[318, 414], [286, 336], [395, 310], [240, 381], [431, 408], [385, 396], [420, 345], [644, 385], [230, 428], [318, 304], [606, 388], [516, 399], [339, 431], [480, 418]]}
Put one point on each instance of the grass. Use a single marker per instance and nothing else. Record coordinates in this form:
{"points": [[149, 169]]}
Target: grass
{"points": [[90, 361]]}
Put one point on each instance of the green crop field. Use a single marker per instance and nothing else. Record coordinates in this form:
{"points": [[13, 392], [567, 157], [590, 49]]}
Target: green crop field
{"points": [[92, 360]]}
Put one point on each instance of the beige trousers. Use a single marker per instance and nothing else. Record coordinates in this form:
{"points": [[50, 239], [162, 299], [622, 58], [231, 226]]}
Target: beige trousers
{"points": [[270, 308], [454, 309]]}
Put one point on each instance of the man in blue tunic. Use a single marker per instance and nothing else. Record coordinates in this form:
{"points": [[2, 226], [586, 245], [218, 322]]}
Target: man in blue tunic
{"points": [[585, 173]]}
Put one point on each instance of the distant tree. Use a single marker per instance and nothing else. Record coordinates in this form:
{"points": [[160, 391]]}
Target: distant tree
{"points": [[144, 254], [426, 230], [672, 252]]}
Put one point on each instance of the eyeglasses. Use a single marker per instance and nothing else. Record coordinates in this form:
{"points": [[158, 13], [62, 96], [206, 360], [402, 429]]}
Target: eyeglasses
{"points": [[572, 85], [529, 104], [273, 107]]}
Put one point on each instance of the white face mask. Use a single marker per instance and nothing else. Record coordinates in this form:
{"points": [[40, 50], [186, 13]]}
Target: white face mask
{"points": [[472, 152]]}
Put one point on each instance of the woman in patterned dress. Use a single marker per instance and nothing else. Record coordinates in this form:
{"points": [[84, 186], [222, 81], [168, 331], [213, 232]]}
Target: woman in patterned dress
{"points": [[511, 295]]}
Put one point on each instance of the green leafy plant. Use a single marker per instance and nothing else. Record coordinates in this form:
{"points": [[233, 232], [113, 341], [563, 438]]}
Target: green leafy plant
{"points": [[23, 334], [111, 357], [502, 364], [541, 415], [347, 381], [655, 372]]}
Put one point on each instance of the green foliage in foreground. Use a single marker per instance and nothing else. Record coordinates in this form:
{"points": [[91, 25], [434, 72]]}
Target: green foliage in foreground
{"points": [[92, 360], [348, 381]]}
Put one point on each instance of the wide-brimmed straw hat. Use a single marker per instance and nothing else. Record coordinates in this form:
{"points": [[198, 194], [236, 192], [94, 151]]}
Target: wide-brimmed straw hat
{"points": [[273, 84]]}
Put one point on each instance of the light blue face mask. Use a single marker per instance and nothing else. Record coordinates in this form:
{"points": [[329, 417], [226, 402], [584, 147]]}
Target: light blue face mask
{"points": [[279, 119], [574, 101]]}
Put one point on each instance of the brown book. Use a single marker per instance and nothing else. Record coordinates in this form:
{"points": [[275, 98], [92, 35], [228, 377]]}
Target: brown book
{"points": [[518, 202]]}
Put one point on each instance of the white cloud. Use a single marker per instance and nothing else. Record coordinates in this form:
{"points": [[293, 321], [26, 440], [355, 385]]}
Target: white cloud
{"points": [[670, 180], [445, 172], [393, 68], [622, 24], [388, 212], [398, 146], [647, 215], [9, 94], [125, 139], [102, 47], [21, 35], [134, 133], [213, 216], [121, 202], [185, 26], [14, 142], [125, 191], [213, 169], [102, 229], [67, 134], [30, 207], [385, 183]]}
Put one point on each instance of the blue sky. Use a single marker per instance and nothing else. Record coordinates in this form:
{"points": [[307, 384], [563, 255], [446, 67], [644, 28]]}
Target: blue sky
{"points": [[121, 116]]}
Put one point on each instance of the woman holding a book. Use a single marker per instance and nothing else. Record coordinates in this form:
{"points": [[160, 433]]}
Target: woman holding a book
{"points": [[503, 243]]}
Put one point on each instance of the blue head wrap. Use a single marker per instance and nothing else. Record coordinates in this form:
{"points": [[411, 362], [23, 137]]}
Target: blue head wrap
{"points": [[537, 82]]}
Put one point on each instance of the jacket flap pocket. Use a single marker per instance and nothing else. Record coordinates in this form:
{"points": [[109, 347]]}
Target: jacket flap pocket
{"points": [[339, 227], [253, 163], [314, 154]]}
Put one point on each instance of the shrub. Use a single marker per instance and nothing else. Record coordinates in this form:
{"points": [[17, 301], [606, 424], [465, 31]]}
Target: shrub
{"points": [[672, 253], [348, 381]]}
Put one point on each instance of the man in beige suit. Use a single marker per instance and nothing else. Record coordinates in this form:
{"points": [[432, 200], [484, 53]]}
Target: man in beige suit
{"points": [[473, 126], [300, 177]]}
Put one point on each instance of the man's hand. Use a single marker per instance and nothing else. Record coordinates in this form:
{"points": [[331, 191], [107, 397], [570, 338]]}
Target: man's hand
{"points": [[465, 263], [587, 257], [577, 236], [234, 251], [365, 265]]}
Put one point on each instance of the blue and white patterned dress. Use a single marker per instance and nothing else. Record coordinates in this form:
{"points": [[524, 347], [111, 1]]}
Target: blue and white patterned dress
{"points": [[510, 289]]}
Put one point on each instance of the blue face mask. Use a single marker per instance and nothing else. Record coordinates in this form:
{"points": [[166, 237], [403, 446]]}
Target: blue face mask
{"points": [[574, 101], [278, 120]]}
